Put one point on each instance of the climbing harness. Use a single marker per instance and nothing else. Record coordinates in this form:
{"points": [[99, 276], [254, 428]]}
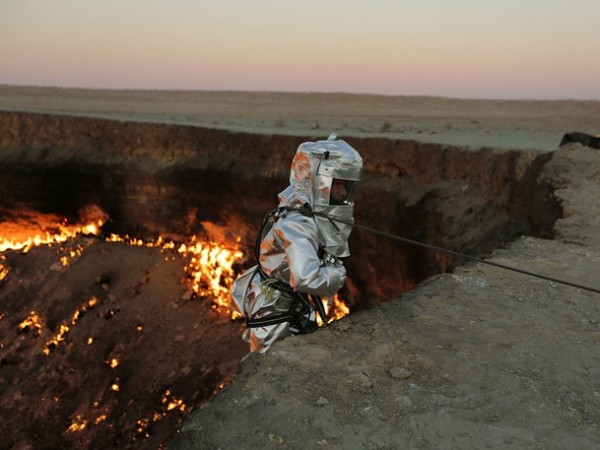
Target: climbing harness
{"points": [[298, 315]]}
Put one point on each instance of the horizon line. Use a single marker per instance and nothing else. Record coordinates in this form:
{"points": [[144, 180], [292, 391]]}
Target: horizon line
{"points": [[294, 92]]}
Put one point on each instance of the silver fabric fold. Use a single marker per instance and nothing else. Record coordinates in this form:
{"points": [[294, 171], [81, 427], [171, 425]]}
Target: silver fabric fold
{"points": [[295, 249]]}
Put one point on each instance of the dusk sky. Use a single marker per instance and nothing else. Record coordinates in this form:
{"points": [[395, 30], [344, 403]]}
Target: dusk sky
{"points": [[516, 49]]}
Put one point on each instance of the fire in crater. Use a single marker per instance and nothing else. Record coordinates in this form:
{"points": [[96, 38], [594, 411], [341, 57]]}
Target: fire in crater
{"points": [[32, 322], [3, 271], [130, 353], [35, 229], [210, 269]]}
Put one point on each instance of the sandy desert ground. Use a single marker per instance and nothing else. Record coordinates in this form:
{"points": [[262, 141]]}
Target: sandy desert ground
{"points": [[475, 358], [471, 123]]}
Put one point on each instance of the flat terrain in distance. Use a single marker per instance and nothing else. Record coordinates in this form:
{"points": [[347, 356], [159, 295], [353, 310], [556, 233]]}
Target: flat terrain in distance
{"points": [[522, 124]]}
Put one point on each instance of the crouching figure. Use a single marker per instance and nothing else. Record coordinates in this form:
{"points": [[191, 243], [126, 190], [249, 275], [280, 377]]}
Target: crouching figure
{"points": [[299, 245]]}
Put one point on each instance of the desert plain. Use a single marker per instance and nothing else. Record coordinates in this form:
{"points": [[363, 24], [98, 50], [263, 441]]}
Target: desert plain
{"points": [[516, 124]]}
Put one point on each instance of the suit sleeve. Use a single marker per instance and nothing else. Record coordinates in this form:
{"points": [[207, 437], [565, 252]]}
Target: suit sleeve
{"points": [[298, 236]]}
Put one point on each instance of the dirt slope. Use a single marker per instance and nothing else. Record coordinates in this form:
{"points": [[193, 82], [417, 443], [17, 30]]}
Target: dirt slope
{"points": [[480, 358]]}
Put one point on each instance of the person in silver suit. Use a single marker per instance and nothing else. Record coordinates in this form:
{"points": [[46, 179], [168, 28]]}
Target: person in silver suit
{"points": [[300, 244]]}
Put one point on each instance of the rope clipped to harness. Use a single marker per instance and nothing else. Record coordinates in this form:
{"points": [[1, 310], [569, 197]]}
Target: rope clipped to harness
{"points": [[302, 304]]}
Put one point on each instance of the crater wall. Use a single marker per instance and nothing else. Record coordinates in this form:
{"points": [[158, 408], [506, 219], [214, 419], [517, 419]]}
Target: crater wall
{"points": [[168, 179]]}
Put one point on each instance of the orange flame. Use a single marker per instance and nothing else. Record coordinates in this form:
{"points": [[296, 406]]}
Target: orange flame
{"points": [[32, 321], [100, 418], [112, 363], [169, 404], [53, 343], [64, 329], [335, 309], [142, 425], [211, 271], [79, 424], [210, 268], [3, 271], [13, 238], [172, 402]]}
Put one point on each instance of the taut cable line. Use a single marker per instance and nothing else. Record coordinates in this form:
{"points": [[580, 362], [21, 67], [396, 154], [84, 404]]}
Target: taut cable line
{"points": [[459, 254]]}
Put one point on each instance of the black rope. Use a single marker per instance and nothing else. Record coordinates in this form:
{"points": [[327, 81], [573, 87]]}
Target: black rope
{"points": [[460, 255]]}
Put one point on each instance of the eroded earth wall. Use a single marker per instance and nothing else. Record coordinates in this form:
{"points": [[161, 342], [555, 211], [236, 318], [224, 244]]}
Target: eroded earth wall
{"points": [[167, 179]]}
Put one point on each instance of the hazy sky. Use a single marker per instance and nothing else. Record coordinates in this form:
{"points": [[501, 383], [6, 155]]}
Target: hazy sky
{"points": [[542, 49]]}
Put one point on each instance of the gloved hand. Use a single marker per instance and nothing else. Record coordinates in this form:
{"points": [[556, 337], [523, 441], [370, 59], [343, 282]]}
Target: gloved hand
{"points": [[330, 260], [336, 267]]}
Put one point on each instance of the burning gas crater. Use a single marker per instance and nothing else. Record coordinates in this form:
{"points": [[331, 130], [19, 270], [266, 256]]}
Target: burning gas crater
{"points": [[210, 267], [209, 273]]}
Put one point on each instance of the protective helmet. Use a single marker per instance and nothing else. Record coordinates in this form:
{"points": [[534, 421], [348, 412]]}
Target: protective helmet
{"points": [[325, 175]]}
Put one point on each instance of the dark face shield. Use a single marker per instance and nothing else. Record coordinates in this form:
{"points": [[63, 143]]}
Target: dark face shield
{"points": [[342, 192]]}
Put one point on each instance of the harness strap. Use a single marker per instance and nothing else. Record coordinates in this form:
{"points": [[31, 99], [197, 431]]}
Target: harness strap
{"points": [[294, 314], [271, 319]]}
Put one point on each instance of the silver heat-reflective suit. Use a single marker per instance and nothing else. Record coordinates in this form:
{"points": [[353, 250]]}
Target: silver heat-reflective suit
{"points": [[301, 251]]}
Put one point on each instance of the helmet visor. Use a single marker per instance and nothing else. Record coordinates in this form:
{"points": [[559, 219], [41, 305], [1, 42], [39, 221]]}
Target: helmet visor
{"points": [[342, 192]]}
